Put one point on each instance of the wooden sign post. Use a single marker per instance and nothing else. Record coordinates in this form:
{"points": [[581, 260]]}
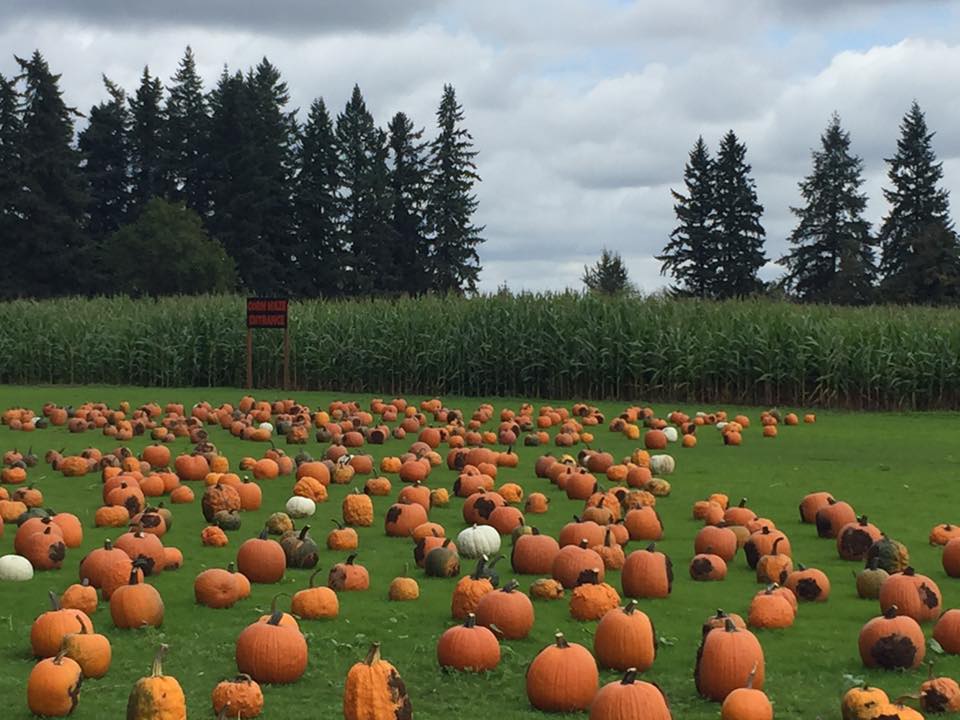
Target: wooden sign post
{"points": [[268, 313]]}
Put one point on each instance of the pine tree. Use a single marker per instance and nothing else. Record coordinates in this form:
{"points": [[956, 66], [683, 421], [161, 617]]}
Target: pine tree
{"points": [[739, 234], [916, 203], [367, 231], [454, 261], [320, 256], [832, 259], [185, 138], [690, 255], [146, 146], [11, 183], [933, 266], [106, 163], [408, 185], [51, 255], [608, 276]]}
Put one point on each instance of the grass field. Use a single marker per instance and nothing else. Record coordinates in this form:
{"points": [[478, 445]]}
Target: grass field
{"points": [[900, 469]]}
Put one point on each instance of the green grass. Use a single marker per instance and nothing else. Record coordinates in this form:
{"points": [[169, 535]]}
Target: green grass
{"points": [[900, 469]]}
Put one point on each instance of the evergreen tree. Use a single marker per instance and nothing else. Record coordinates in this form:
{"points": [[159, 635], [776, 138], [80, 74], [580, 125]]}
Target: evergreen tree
{"points": [[739, 234], [185, 137], [933, 266], [916, 202], [51, 255], [11, 183], [832, 258], [146, 147], [690, 255], [319, 252], [451, 203], [408, 189], [366, 226], [608, 276], [106, 163]]}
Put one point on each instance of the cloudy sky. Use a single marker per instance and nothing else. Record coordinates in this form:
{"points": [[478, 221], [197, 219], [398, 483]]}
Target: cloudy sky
{"points": [[583, 110]]}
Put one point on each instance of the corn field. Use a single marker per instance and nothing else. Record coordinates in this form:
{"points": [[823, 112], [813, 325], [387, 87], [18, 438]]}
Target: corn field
{"points": [[541, 346]]}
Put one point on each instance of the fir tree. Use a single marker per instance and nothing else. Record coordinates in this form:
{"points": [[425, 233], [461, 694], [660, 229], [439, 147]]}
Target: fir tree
{"points": [[739, 234], [451, 204], [933, 266], [690, 255], [608, 276], [106, 163], [146, 148], [832, 259], [408, 186], [51, 255], [367, 231], [11, 184], [185, 138], [916, 203], [319, 251]]}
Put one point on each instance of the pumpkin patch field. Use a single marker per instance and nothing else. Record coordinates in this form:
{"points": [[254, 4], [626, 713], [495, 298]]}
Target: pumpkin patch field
{"points": [[204, 553]]}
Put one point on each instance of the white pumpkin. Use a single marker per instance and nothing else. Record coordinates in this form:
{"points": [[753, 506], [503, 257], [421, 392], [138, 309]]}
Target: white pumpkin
{"points": [[721, 425], [477, 541], [300, 507], [266, 426], [671, 432], [662, 464], [15, 568]]}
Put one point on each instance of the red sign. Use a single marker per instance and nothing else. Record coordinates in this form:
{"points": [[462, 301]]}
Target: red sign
{"points": [[267, 312]]}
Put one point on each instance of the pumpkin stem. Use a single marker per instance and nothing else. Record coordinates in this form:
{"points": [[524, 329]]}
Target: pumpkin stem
{"points": [[337, 523], [263, 533], [275, 618], [630, 607], [652, 547], [584, 543], [157, 669], [303, 533], [273, 602], [630, 677], [54, 600], [108, 544], [909, 572], [471, 621], [313, 576], [891, 612], [481, 566], [873, 563], [58, 659], [561, 640], [350, 558], [862, 520], [510, 586], [775, 543], [373, 656], [743, 502], [729, 626]]}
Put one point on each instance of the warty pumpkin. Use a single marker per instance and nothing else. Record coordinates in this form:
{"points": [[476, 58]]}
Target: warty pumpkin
{"points": [[374, 690], [240, 697], [316, 602], [157, 696]]}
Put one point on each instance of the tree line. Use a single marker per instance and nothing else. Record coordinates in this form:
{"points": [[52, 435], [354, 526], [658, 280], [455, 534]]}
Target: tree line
{"points": [[717, 247], [181, 189]]}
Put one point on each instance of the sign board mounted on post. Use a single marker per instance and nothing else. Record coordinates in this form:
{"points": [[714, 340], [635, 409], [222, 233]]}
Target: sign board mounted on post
{"points": [[268, 313]]}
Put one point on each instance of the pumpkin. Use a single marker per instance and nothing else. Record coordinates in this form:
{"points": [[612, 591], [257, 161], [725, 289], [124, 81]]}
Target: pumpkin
{"points": [[746, 703], [720, 621], [215, 588], [765, 541], [509, 611], [241, 695], [403, 587], [468, 647], [939, 694], [374, 690], [536, 503], [172, 558], [892, 641], [546, 589], [870, 579], [477, 541], [647, 573], [213, 536], [441, 560], [717, 540], [812, 504], [775, 567], [611, 552], [726, 657], [947, 631], [312, 488], [939, 535], [896, 710], [832, 517], [136, 604], [644, 524], [770, 610], [299, 549], [90, 650], [300, 507], [739, 514], [270, 652], [706, 566], [439, 497], [470, 588], [627, 698], [219, 497], [401, 519], [358, 509], [854, 539], [143, 548], [261, 560], [45, 549], [916, 596], [592, 599], [106, 568], [891, 555], [80, 596], [157, 696], [15, 568], [574, 532], [571, 561], [348, 575], [808, 584], [50, 628], [316, 602], [563, 677], [479, 505], [859, 703], [53, 688]]}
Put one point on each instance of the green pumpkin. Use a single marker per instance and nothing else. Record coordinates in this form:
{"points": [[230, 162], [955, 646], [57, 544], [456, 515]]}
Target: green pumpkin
{"points": [[442, 562], [300, 549], [521, 530], [228, 520], [34, 513], [890, 555], [870, 579], [531, 440]]}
